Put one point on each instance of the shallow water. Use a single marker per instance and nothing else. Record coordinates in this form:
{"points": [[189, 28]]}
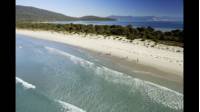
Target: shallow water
{"points": [[52, 77]]}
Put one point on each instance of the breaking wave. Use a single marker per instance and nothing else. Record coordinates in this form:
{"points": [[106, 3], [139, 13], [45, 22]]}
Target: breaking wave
{"points": [[156, 93], [25, 84], [69, 107]]}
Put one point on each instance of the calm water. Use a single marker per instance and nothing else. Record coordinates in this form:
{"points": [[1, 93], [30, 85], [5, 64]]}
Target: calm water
{"points": [[158, 25], [52, 77]]}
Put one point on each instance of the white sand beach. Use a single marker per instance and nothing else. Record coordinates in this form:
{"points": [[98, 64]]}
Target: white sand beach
{"points": [[162, 57]]}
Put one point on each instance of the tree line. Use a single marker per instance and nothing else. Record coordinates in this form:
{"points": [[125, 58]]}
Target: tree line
{"points": [[174, 37]]}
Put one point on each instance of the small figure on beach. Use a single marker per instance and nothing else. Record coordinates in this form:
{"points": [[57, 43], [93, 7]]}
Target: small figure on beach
{"points": [[137, 60], [108, 53]]}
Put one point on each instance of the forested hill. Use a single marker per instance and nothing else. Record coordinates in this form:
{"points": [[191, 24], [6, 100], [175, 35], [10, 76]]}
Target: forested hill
{"points": [[27, 13], [96, 18]]}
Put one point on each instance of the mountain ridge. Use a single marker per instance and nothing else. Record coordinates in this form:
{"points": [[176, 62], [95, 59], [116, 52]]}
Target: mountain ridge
{"points": [[29, 13], [145, 18]]}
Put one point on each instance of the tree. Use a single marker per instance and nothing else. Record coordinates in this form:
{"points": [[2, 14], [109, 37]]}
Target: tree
{"points": [[128, 31]]}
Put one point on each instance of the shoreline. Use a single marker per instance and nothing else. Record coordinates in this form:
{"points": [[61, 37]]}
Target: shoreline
{"points": [[137, 70], [162, 59]]}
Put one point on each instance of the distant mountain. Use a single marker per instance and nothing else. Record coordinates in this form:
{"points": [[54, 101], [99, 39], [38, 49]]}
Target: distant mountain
{"points": [[145, 18], [27, 13]]}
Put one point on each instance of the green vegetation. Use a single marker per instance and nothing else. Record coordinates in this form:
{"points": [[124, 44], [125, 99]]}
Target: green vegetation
{"points": [[174, 37], [95, 18], [25, 13]]}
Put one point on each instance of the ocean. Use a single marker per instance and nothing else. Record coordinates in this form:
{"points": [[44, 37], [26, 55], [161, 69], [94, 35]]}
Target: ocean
{"points": [[54, 77], [157, 25]]}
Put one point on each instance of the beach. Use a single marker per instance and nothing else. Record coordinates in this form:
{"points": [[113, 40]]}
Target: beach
{"points": [[164, 58], [58, 76], [99, 56]]}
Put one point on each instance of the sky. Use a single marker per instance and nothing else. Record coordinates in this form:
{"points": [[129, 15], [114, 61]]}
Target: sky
{"points": [[77, 8]]}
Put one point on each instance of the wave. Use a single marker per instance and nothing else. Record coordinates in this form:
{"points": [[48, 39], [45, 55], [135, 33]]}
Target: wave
{"points": [[25, 84], [157, 93], [73, 58], [69, 107], [160, 94]]}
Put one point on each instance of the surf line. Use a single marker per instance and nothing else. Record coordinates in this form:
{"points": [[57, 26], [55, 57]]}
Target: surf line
{"points": [[69, 107], [25, 84], [158, 93]]}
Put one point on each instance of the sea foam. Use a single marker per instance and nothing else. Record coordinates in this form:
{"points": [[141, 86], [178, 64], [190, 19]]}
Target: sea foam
{"points": [[25, 84], [69, 107], [156, 93]]}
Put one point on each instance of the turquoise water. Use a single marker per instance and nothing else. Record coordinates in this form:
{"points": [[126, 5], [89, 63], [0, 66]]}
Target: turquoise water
{"points": [[158, 25], [52, 77]]}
